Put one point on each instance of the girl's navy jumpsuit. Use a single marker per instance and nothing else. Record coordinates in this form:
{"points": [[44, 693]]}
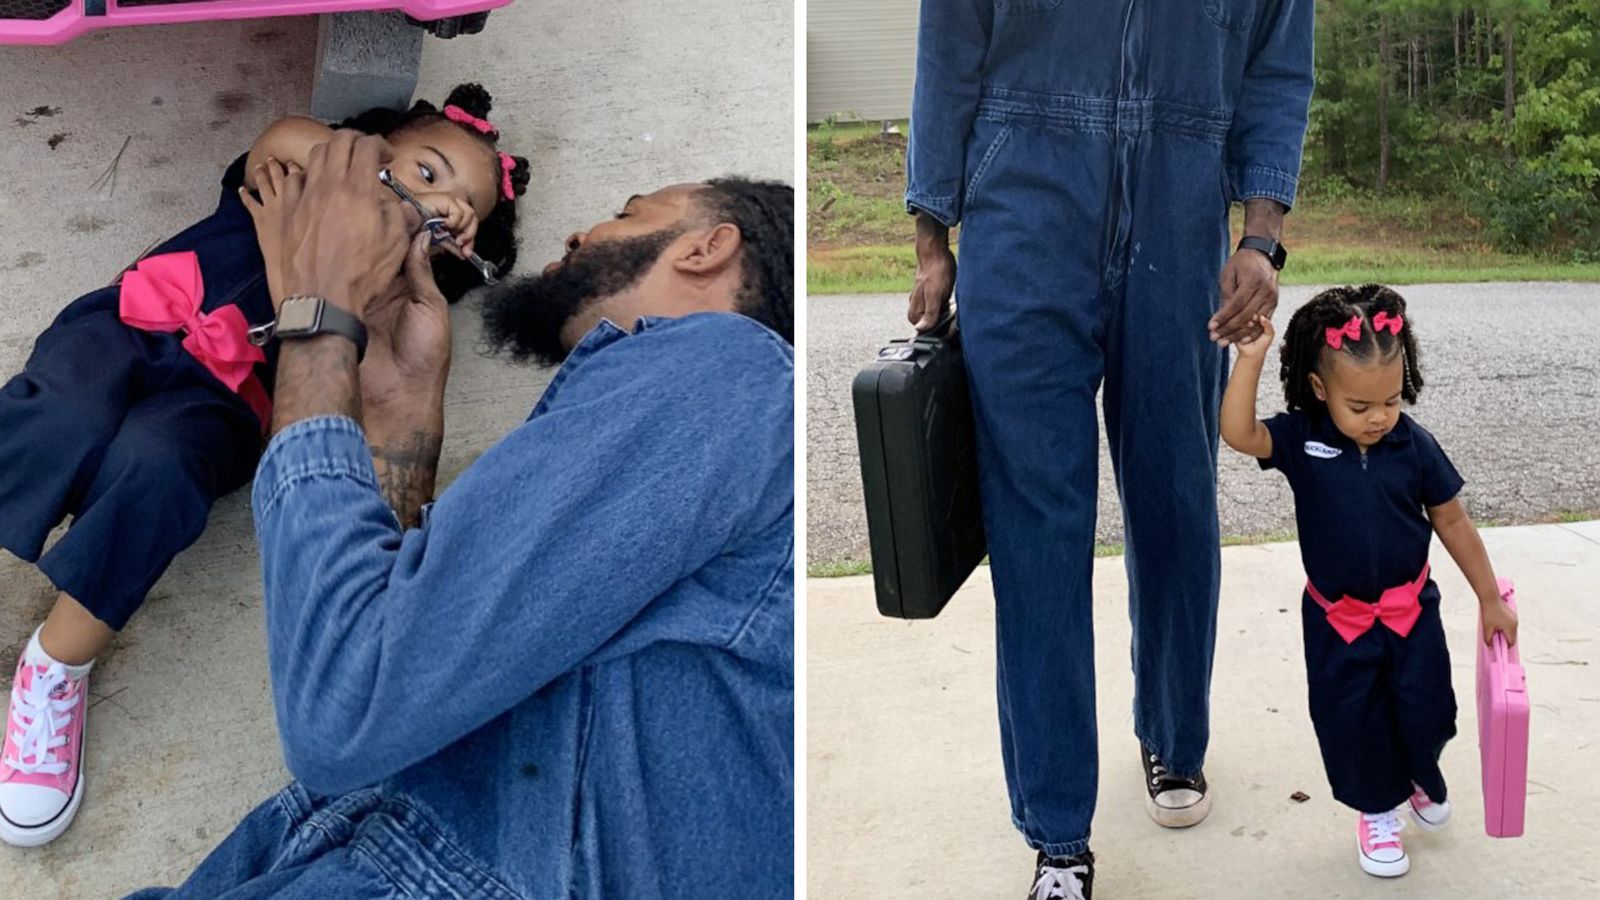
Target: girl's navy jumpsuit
{"points": [[1090, 151], [1382, 704], [126, 432]]}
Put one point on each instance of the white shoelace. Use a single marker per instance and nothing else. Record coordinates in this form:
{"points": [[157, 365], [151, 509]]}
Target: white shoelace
{"points": [[1383, 828], [1060, 882], [43, 721]]}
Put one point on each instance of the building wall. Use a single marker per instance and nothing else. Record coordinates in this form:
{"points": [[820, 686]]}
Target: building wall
{"points": [[859, 56]]}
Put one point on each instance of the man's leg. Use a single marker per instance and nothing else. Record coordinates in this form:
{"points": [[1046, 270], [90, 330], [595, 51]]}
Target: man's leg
{"points": [[1032, 320], [1164, 381]]}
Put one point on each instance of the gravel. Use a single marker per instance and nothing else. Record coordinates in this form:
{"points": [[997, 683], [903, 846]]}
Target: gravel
{"points": [[1513, 396]]}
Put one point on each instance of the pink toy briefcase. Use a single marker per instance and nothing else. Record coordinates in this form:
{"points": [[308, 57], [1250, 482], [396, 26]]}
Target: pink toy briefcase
{"points": [[1502, 730]]}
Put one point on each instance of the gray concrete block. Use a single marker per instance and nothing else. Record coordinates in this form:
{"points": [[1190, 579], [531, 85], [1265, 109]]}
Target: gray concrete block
{"points": [[364, 60]]}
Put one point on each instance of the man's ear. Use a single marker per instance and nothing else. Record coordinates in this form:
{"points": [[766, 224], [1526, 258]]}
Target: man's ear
{"points": [[712, 252], [1317, 387]]}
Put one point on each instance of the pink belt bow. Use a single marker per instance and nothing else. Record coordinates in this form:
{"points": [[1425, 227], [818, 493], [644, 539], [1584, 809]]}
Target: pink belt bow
{"points": [[164, 293], [1398, 608]]}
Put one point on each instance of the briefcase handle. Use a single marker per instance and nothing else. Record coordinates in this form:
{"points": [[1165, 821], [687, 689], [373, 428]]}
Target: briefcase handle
{"points": [[942, 330]]}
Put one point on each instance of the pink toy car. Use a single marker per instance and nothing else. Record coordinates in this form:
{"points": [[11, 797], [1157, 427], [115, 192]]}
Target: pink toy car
{"points": [[59, 21], [1503, 731]]}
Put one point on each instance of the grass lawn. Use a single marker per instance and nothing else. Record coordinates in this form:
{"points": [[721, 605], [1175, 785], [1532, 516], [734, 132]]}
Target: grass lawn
{"points": [[859, 237]]}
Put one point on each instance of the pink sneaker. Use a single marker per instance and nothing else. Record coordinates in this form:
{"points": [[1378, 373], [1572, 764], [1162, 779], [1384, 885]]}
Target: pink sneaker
{"points": [[1428, 815], [41, 778], [1378, 842]]}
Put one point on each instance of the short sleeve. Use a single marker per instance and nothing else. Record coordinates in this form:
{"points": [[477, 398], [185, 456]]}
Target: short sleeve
{"points": [[233, 178], [1288, 433], [1439, 480]]}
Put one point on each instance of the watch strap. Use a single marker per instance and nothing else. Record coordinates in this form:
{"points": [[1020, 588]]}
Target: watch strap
{"points": [[329, 319], [1275, 252]]}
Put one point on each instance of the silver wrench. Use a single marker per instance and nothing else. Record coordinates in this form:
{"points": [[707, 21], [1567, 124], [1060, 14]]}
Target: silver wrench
{"points": [[435, 226]]}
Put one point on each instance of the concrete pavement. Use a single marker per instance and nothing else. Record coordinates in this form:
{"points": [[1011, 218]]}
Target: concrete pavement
{"points": [[606, 99], [907, 798], [1511, 394]]}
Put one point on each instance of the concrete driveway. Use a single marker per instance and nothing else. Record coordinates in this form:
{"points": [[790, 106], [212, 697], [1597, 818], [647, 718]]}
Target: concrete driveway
{"points": [[606, 99], [1513, 389], [907, 798]]}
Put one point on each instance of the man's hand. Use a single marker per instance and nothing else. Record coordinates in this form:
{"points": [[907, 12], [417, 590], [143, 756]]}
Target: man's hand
{"points": [[345, 237], [1249, 283], [408, 335], [1499, 616], [1249, 293], [936, 273], [402, 385]]}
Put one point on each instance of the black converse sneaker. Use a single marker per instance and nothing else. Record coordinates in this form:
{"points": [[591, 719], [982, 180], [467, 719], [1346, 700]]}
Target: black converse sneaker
{"points": [[1063, 877], [1172, 801]]}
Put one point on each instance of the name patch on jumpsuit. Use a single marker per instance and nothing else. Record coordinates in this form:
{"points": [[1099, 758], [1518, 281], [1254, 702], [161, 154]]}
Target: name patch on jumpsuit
{"points": [[1321, 450]]}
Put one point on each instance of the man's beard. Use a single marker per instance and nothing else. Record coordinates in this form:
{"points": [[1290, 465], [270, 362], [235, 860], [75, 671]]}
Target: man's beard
{"points": [[524, 319]]}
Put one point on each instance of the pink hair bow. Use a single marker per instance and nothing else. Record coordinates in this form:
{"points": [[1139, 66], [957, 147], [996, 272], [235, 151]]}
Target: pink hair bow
{"points": [[1352, 330], [1383, 320], [483, 126], [507, 189], [164, 293]]}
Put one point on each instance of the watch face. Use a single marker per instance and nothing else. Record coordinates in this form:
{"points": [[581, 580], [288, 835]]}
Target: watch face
{"points": [[298, 315]]}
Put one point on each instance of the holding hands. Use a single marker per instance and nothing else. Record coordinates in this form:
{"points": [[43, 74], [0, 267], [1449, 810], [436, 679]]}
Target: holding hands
{"points": [[1255, 346]]}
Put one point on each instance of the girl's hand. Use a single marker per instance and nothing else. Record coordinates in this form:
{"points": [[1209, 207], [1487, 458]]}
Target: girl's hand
{"points": [[1256, 347], [280, 186], [1499, 616], [460, 219]]}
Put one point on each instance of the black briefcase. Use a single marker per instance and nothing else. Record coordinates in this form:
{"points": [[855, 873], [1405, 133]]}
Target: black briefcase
{"points": [[919, 469]]}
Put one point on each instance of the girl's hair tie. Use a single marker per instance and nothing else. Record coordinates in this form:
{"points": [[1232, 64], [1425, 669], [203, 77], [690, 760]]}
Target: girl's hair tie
{"points": [[482, 126], [1394, 323], [1352, 330], [507, 189]]}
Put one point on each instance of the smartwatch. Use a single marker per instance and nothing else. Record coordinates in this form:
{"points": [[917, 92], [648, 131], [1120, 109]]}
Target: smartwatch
{"points": [[1275, 251], [306, 317]]}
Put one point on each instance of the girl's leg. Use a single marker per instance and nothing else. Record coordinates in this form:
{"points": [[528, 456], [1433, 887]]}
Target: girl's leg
{"points": [[174, 454], [1352, 707], [71, 634], [1425, 702], [56, 417]]}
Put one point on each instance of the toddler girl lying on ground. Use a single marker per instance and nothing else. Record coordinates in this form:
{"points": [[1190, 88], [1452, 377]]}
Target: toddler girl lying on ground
{"points": [[145, 401]]}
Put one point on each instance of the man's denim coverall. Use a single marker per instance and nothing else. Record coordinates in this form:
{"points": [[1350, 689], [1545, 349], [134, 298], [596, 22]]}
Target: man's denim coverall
{"points": [[1090, 150]]}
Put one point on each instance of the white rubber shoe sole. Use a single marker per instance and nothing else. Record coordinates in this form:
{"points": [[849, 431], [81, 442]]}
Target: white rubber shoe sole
{"points": [[39, 835], [1181, 817], [1382, 869], [1442, 817]]}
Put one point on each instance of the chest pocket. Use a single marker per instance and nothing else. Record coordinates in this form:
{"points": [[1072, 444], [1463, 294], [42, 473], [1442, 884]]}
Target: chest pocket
{"points": [[1020, 7], [1234, 15]]}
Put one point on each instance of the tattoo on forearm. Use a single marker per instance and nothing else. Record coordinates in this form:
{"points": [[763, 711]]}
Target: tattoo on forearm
{"points": [[316, 377], [407, 467]]}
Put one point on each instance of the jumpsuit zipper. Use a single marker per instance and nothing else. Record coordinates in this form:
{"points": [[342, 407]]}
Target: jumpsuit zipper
{"points": [[1111, 264]]}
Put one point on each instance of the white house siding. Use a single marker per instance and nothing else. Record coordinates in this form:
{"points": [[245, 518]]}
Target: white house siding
{"points": [[859, 58]]}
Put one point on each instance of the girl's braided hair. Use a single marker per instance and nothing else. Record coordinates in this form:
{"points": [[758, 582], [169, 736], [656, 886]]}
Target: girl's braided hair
{"points": [[497, 234], [1306, 340]]}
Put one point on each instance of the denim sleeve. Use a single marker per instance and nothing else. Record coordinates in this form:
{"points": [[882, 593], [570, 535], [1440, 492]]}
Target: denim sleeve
{"points": [[952, 41], [1269, 120], [387, 647]]}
